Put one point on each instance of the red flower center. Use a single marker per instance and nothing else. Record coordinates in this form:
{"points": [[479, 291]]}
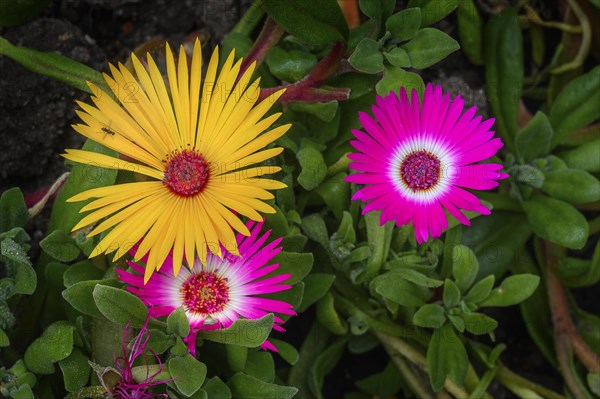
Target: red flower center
{"points": [[205, 293], [420, 170], [186, 173]]}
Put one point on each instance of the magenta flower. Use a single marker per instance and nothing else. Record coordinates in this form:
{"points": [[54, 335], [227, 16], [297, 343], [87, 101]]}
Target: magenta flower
{"points": [[218, 293], [415, 160]]}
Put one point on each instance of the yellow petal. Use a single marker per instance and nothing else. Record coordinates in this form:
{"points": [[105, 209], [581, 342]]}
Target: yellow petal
{"points": [[106, 161]]}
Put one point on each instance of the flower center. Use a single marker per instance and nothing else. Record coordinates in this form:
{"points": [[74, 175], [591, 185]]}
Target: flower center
{"points": [[205, 293], [186, 173], [420, 170]]}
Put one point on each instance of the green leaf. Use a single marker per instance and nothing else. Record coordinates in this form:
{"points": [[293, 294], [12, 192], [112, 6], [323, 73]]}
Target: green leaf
{"points": [[9, 249], [316, 285], [451, 294], [512, 290], [418, 278], [533, 141], [60, 245], [433, 10], [286, 351], [23, 392], [529, 175], [324, 363], [367, 57], [478, 323], [324, 111], [428, 47], [404, 24], [572, 185], [12, 208], [216, 389], [178, 323], [4, 340], [79, 295], [243, 332], [25, 279], [290, 66], [481, 290], [120, 306], [159, 342], [335, 191], [557, 221], [382, 385], [65, 215], [470, 31], [430, 315], [504, 71], [396, 288], [188, 373], [76, 370], [446, 357], [328, 316], [260, 365], [55, 66], [464, 266], [395, 78], [593, 380], [55, 344], [81, 271], [584, 157], [398, 57], [244, 386], [576, 105], [314, 227], [377, 10], [234, 41], [294, 263], [313, 167], [313, 25]]}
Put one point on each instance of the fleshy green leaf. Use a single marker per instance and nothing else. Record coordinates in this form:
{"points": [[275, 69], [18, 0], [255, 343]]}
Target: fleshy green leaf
{"points": [[79, 295], [313, 25], [451, 294], [55, 344], [396, 288], [324, 363], [12, 208], [177, 323], [404, 24], [481, 290], [430, 315], [314, 168], [60, 245], [377, 10], [260, 364], [428, 47], [367, 57], [119, 306], [513, 290], [446, 357], [244, 386], [557, 221], [329, 317], [243, 332], [533, 141], [294, 263], [395, 78], [572, 185], [290, 66], [286, 351], [398, 57], [216, 389], [478, 323], [433, 10], [576, 105], [188, 373], [316, 285], [464, 266], [584, 157], [81, 271], [76, 371], [470, 31]]}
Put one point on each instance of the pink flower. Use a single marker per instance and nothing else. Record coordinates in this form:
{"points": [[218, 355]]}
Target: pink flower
{"points": [[220, 292], [415, 160]]}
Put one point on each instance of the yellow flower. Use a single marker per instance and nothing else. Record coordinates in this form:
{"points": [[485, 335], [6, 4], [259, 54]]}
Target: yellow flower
{"points": [[199, 149]]}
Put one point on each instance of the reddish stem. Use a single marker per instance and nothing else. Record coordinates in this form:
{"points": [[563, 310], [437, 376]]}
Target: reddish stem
{"points": [[567, 338], [268, 37], [305, 90]]}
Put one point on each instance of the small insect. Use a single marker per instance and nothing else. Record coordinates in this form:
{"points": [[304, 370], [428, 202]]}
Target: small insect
{"points": [[108, 131]]}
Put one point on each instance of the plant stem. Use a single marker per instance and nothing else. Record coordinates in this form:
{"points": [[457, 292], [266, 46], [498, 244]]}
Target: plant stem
{"points": [[512, 380], [250, 19], [420, 389], [305, 90], [269, 36], [586, 40], [403, 348], [564, 328]]}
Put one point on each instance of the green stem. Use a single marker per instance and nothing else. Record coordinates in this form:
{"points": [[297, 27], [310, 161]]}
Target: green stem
{"points": [[586, 40], [511, 380], [416, 384], [250, 19]]}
